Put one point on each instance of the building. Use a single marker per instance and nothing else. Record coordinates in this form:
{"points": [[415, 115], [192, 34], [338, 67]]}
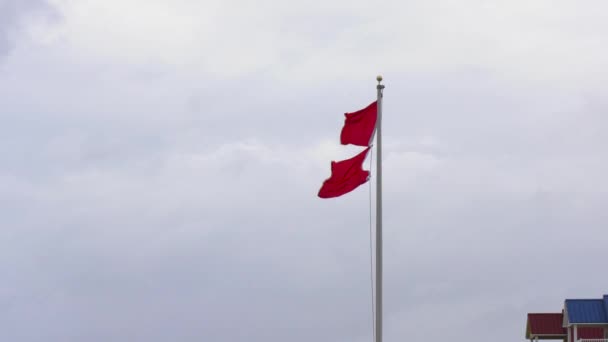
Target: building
{"points": [[580, 319]]}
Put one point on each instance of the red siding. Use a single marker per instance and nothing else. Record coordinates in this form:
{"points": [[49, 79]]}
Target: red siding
{"points": [[586, 332], [590, 332]]}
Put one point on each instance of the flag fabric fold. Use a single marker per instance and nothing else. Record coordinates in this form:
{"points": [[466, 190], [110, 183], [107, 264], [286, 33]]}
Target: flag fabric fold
{"points": [[346, 176], [359, 126]]}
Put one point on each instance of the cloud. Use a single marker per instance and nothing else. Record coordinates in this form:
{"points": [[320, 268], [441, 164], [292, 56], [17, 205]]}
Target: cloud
{"points": [[160, 162], [16, 15], [318, 41]]}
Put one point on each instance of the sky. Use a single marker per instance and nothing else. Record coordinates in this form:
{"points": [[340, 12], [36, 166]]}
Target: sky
{"points": [[160, 162]]}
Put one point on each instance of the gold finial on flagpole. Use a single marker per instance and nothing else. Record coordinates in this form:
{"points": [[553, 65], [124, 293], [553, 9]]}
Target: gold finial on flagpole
{"points": [[380, 85]]}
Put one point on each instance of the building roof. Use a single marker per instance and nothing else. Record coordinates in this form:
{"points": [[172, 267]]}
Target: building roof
{"points": [[587, 311], [545, 324], [548, 326]]}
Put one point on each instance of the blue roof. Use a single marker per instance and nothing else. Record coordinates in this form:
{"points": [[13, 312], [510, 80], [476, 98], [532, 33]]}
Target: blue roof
{"points": [[606, 304], [587, 310]]}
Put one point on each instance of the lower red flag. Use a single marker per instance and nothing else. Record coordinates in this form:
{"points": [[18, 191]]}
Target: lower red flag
{"points": [[346, 176]]}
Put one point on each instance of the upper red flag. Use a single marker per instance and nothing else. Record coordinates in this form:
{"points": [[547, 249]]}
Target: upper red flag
{"points": [[346, 176], [359, 126]]}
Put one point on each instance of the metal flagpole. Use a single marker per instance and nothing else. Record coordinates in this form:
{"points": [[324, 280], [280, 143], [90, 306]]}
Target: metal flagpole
{"points": [[379, 87]]}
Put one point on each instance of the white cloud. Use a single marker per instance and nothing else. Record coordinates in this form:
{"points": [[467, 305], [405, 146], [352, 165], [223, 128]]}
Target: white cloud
{"points": [[543, 41], [164, 157]]}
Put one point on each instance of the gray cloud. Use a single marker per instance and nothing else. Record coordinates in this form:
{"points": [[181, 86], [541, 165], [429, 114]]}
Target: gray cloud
{"points": [[150, 203], [12, 13]]}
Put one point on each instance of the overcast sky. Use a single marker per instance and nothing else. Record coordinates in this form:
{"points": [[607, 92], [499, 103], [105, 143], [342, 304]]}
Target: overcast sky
{"points": [[160, 160]]}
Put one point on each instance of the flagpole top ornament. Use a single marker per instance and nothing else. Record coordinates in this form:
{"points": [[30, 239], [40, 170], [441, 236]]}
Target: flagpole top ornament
{"points": [[379, 78]]}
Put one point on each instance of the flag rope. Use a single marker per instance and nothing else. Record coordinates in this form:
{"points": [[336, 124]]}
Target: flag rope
{"points": [[371, 249]]}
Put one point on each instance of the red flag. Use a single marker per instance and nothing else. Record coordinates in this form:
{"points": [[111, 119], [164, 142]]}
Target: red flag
{"points": [[346, 176], [359, 126]]}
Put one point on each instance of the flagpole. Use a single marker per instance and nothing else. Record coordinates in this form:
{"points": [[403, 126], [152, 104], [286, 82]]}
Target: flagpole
{"points": [[379, 88]]}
